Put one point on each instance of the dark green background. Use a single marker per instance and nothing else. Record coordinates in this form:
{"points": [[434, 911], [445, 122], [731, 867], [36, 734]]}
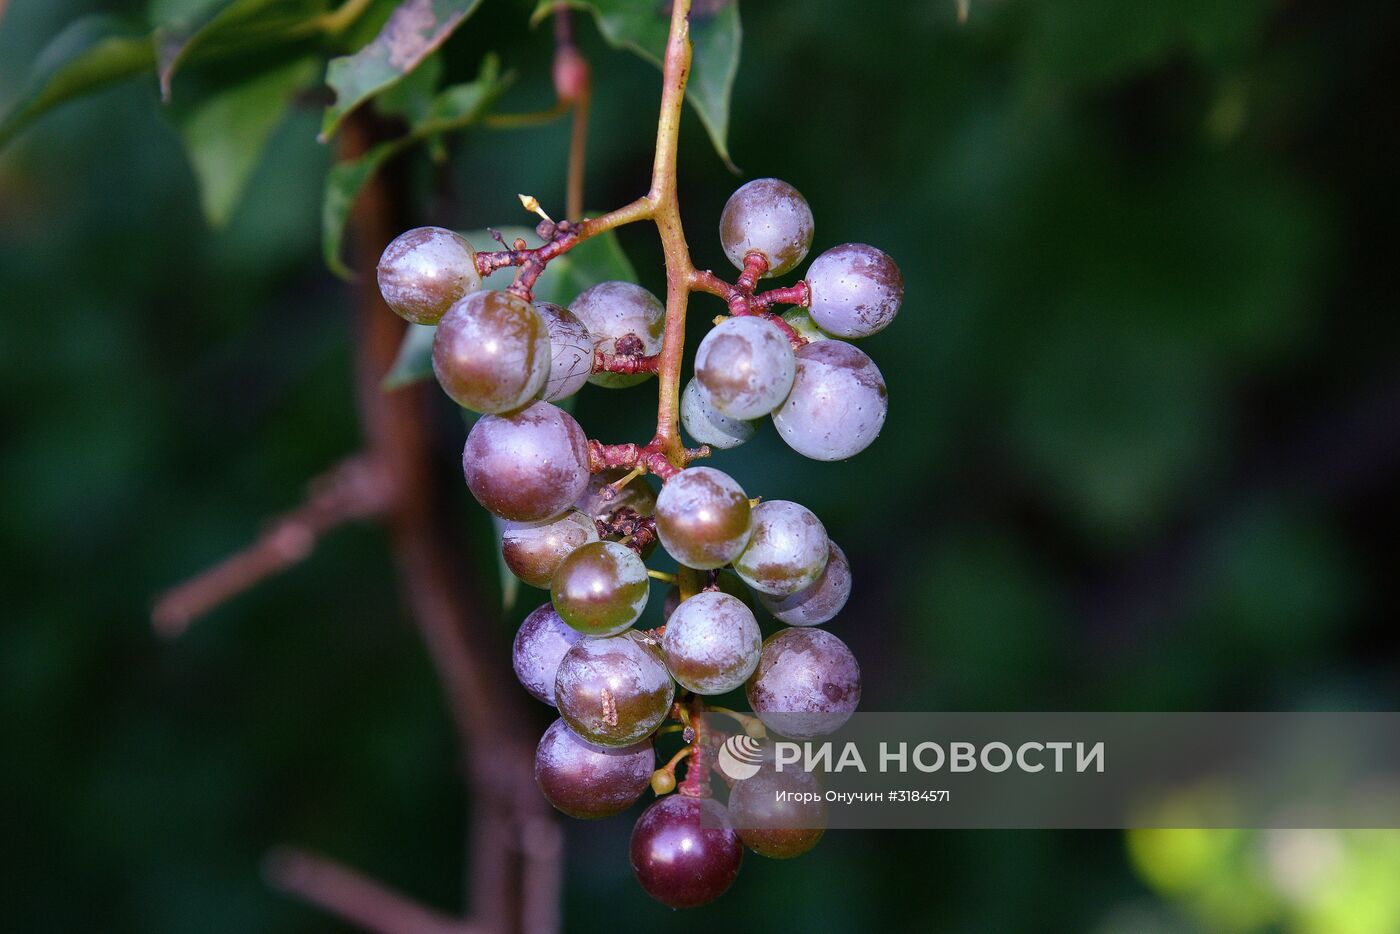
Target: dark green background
{"points": [[1142, 452]]}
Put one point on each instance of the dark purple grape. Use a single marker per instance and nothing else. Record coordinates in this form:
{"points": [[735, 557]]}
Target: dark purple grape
{"points": [[570, 352], [601, 588], [703, 518], [818, 603], [856, 290], [614, 691], [534, 550], [424, 271], [684, 852], [540, 645], [588, 781], [526, 465], [769, 217], [638, 495], [711, 643], [807, 683], [491, 352], [837, 405], [611, 311], [787, 551], [774, 813], [745, 367]]}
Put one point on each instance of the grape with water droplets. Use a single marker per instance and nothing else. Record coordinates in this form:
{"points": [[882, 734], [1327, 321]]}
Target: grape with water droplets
{"points": [[778, 814], [684, 851], [787, 551], [587, 781], [570, 352], [613, 691], [711, 643], [818, 603], [424, 271], [807, 683], [526, 465], [534, 550], [611, 311], [769, 217], [600, 589], [540, 645], [491, 352], [706, 425], [837, 405], [703, 518], [856, 290]]}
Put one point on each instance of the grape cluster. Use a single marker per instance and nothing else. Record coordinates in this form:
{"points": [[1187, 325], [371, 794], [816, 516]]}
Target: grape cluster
{"points": [[583, 528]]}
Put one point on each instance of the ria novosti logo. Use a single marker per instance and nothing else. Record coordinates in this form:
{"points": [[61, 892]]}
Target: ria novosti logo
{"points": [[740, 757]]}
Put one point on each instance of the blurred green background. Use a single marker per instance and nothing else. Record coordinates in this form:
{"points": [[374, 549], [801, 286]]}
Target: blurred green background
{"points": [[1142, 454]]}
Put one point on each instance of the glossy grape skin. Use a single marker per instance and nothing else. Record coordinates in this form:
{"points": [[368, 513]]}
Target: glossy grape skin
{"points": [[678, 859], [526, 465], [570, 352], [614, 691], [424, 271], [638, 495], [807, 683], [600, 589], [788, 549], [706, 425], [769, 217], [773, 827], [534, 550], [611, 310], [540, 645], [491, 352], [693, 581], [587, 781], [711, 643], [800, 321], [837, 405], [820, 602], [746, 367], [856, 290], [703, 518]]}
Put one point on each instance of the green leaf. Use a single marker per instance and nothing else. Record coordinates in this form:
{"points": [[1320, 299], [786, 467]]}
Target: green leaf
{"points": [[226, 27], [597, 259], [454, 108], [226, 132], [414, 31], [90, 53], [715, 35]]}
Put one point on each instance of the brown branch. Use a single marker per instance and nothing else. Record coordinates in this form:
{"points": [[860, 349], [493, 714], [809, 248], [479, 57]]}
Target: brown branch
{"points": [[355, 489], [353, 897]]}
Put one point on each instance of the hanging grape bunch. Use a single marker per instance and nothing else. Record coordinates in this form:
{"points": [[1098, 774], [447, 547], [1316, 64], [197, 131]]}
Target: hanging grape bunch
{"points": [[582, 521]]}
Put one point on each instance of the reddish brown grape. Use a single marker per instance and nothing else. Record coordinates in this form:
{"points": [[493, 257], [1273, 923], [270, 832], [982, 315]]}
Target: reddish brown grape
{"points": [[534, 550], [588, 781], [540, 645], [424, 271], [491, 352], [613, 691], [807, 683], [684, 851], [820, 602], [526, 465], [601, 588], [774, 812], [703, 518]]}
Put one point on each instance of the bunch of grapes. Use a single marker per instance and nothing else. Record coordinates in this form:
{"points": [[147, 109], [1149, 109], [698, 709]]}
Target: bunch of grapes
{"points": [[581, 521]]}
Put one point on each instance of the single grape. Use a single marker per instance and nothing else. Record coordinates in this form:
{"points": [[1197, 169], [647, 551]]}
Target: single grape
{"points": [[787, 551], [638, 495], [601, 588], [611, 311], [711, 643], [703, 518], [684, 851], [727, 580], [778, 814], [588, 781], [818, 603], [491, 352], [706, 425], [837, 405], [807, 683], [424, 271], [769, 217], [570, 349], [614, 691], [800, 321], [856, 290], [526, 465], [745, 367], [540, 644], [534, 550]]}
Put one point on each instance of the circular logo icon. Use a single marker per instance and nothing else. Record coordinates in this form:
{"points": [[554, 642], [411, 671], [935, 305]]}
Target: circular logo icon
{"points": [[740, 757]]}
